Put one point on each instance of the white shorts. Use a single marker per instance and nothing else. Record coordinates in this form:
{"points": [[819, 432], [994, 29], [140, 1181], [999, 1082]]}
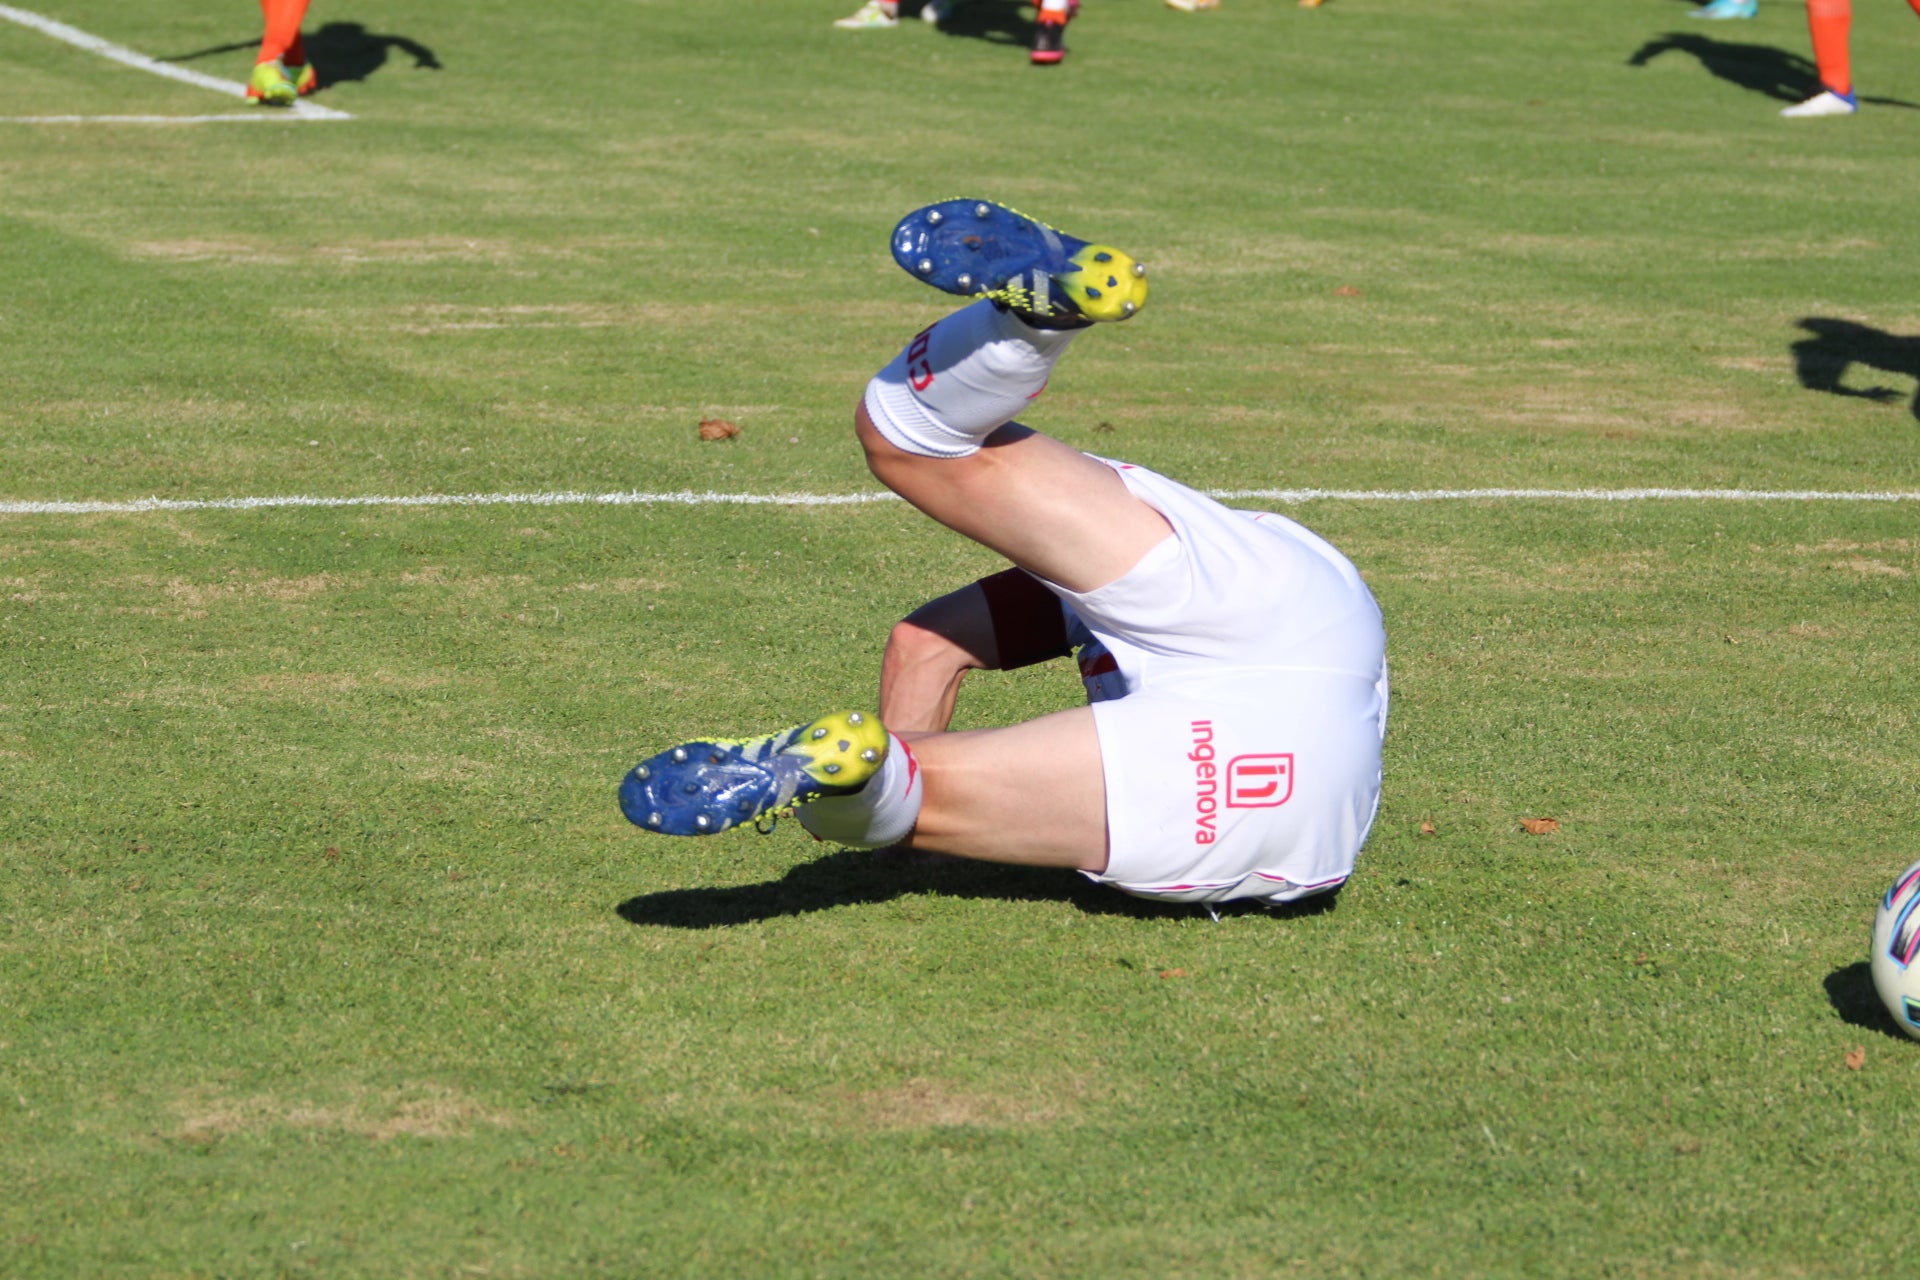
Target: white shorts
{"points": [[1243, 758]]}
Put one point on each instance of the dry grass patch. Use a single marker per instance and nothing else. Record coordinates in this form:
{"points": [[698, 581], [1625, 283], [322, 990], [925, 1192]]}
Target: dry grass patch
{"points": [[937, 1104], [433, 575], [1883, 546], [412, 1111], [622, 586], [241, 251], [449, 318], [1867, 567], [308, 682]]}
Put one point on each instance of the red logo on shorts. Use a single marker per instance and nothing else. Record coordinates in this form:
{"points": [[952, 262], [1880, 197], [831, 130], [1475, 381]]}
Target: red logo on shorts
{"points": [[1259, 782], [919, 366]]}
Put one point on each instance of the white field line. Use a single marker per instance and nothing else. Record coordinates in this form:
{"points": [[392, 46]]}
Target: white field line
{"points": [[140, 61], [689, 498]]}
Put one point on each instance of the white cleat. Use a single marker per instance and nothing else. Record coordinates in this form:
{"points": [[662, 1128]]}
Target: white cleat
{"points": [[1824, 103], [871, 16]]}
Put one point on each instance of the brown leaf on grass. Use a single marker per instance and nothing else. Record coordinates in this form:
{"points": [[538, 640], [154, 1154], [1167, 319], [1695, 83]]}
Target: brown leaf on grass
{"points": [[1346, 291], [1173, 973], [1640, 959], [1427, 829], [1856, 1057], [1539, 826], [717, 429]]}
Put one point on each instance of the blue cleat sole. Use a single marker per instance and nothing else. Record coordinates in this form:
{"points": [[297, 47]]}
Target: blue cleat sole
{"points": [[979, 249], [702, 788]]}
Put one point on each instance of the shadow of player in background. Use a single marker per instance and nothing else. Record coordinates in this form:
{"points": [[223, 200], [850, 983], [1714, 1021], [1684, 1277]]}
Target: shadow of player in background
{"points": [[345, 51], [341, 52], [1763, 69], [1822, 360], [1784, 76]]}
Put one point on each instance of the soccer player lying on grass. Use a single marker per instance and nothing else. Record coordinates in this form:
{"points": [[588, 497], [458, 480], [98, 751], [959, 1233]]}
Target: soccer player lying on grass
{"points": [[1234, 662]]}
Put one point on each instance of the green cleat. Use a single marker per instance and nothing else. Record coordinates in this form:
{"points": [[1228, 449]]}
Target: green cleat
{"points": [[270, 84]]}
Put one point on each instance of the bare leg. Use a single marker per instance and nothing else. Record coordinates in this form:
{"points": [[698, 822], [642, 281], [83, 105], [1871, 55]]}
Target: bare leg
{"points": [[928, 654], [1049, 508], [1032, 794]]}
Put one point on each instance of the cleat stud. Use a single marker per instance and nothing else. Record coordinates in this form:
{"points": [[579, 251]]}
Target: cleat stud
{"points": [[935, 217], [1129, 307], [653, 819], [679, 755], [1093, 292], [965, 281], [854, 717], [1103, 257], [1112, 283], [641, 772], [982, 210], [703, 822], [819, 734], [833, 768], [870, 755], [926, 266], [1139, 268]]}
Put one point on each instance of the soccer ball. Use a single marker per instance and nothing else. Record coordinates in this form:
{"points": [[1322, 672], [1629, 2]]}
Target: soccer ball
{"points": [[1896, 947]]}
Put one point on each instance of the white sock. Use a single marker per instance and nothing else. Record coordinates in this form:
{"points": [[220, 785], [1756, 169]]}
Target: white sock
{"points": [[959, 381], [879, 814], [1053, 6]]}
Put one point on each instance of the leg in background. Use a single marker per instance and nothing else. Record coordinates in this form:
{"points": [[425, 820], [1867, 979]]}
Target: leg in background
{"points": [[1830, 22], [270, 83]]}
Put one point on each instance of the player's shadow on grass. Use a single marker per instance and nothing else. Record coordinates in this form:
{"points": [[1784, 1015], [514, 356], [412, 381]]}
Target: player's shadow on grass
{"points": [[995, 21], [1836, 346], [852, 878], [1782, 76], [1850, 992], [340, 52]]}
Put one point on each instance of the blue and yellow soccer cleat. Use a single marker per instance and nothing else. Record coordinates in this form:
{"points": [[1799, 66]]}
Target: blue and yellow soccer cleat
{"points": [[979, 249], [702, 788], [1721, 10], [305, 78], [271, 85]]}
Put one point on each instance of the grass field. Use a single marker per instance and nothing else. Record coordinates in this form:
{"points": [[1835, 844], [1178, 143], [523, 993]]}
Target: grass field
{"points": [[324, 949]]}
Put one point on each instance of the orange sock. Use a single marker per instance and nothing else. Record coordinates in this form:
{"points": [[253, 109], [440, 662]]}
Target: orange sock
{"points": [[296, 54], [1829, 22], [283, 27]]}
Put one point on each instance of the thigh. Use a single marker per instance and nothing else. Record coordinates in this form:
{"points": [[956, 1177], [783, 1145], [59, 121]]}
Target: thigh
{"points": [[1042, 504], [1031, 794]]}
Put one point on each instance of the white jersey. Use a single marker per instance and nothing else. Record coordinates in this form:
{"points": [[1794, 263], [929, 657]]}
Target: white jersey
{"points": [[1238, 679]]}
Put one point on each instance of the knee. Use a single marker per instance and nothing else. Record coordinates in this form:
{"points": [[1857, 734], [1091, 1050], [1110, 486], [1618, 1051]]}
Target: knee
{"points": [[915, 641], [871, 441], [885, 459]]}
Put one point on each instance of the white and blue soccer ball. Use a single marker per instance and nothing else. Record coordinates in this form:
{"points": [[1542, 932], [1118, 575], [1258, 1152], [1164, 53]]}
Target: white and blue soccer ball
{"points": [[1896, 949]]}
